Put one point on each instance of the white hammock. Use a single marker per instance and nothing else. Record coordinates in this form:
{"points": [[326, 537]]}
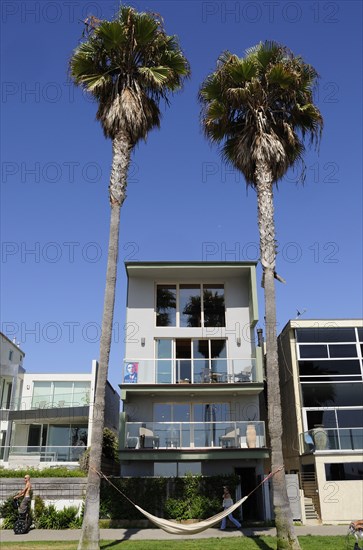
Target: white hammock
{"points": [[190, 529]]}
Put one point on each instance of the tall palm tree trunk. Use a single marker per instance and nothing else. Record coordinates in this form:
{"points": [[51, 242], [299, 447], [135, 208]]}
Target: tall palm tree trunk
{"points": [[90, 536], [286, 538]]}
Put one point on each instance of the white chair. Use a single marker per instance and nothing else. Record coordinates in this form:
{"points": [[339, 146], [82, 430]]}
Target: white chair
{"points": [[231, 438]]}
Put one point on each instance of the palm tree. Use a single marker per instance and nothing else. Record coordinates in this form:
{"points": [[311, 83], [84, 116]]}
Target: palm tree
{"points": [[260, 107], [128, 65]]}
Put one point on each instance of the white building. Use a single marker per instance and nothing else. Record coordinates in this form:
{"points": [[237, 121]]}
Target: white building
{"points": [[321, 370], [193, 374], [11, 383], [48, 416]]}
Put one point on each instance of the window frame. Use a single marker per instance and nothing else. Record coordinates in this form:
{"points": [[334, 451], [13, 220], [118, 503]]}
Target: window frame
{"points": [[177, 312]]}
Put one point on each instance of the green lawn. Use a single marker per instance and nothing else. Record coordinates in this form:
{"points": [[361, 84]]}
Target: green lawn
{"points": [[230, 543]]}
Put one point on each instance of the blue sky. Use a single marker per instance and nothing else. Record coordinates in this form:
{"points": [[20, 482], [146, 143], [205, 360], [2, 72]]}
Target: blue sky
{"points": [[183, 203]]}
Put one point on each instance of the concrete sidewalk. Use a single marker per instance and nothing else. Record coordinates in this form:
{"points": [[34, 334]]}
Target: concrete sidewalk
{"points": [[157, 534]]}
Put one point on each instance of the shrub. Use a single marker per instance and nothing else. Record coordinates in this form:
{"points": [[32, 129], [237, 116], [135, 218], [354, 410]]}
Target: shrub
{"points": [[8, 513], [46, 472], [48, 517], [192, 504]]}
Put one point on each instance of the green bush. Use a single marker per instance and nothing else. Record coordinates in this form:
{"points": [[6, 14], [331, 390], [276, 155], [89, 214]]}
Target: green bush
{"points": [[191, 504], [46, 472], [8, 513], [48, 517]]}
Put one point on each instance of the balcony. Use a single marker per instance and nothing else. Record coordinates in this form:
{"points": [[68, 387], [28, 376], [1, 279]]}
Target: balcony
{"points": [[332, 439], [59, 401], [194, 435], [27, 456], [187, 371]]}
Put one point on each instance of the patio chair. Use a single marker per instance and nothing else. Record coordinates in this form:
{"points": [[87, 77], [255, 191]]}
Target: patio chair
{"points": [[244, 376], [231, 438], [205, 376], [147, 439]]}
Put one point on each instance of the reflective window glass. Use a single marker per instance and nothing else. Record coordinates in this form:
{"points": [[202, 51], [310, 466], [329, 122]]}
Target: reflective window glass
{"points": [[343, 471], [350, 418], [347, 350], [163, 348], [326, 334], [332, 394], [164, 372], [201, 349], [165, 469], [320, 368], [190, 306], [313, 351], [321, 418], [218, 349], [166, 306], [162, 412], [213, 305]]}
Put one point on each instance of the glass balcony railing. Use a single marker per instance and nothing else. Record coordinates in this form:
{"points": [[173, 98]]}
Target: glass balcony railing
{"points": [[188, 371], [335, 439], [59, 401], [44, 453], [194, 435]]}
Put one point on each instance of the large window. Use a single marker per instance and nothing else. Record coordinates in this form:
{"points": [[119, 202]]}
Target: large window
{"points": [[190, 360], [331, 375], [60, 394], [166, 306], [190, 305], [341, 394]]}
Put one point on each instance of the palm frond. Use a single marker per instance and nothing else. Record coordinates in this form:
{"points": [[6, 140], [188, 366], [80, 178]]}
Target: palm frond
{"points": [[129, 64], [260, 107]]}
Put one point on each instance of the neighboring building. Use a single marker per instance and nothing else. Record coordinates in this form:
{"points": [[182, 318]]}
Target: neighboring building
{"points": [[11, 383], [193, 375], [49, 420], [322, 401]]}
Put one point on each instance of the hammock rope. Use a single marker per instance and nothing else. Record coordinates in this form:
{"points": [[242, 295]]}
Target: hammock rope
{"points": [[192, 529]]}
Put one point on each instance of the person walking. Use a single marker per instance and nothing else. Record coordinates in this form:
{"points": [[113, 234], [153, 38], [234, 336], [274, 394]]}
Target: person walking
{"points": [[227, 503]]}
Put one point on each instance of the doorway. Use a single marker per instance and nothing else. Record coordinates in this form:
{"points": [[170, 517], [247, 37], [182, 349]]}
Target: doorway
{"points": [[252, 509]]}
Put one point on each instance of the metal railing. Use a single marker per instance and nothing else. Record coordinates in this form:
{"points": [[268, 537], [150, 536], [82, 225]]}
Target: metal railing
{"points": [[194, 435], [42, 453], [189, 371], [336, 439], [59, 401]]}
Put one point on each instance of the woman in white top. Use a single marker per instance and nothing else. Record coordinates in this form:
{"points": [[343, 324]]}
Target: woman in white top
{"points": [[227, 503]]}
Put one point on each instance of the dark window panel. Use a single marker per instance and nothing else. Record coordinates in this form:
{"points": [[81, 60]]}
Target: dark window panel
{"points": [[166, 306], [321, 418], [347, 350], [313, 351], [214, 307], [332, 395], [329, 334], [360, 334], [351, 418], [190, 306], [319, 368], [344, 471]]}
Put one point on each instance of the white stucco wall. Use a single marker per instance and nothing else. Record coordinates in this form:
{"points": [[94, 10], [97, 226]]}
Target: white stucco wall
{"points": [[340, 501]]}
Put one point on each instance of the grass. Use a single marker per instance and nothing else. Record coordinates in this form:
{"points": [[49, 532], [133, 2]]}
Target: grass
{"points": [[230, 543]]}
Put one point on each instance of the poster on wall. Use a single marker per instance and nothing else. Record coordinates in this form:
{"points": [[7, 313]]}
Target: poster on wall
{"points": [[131, 372]]}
